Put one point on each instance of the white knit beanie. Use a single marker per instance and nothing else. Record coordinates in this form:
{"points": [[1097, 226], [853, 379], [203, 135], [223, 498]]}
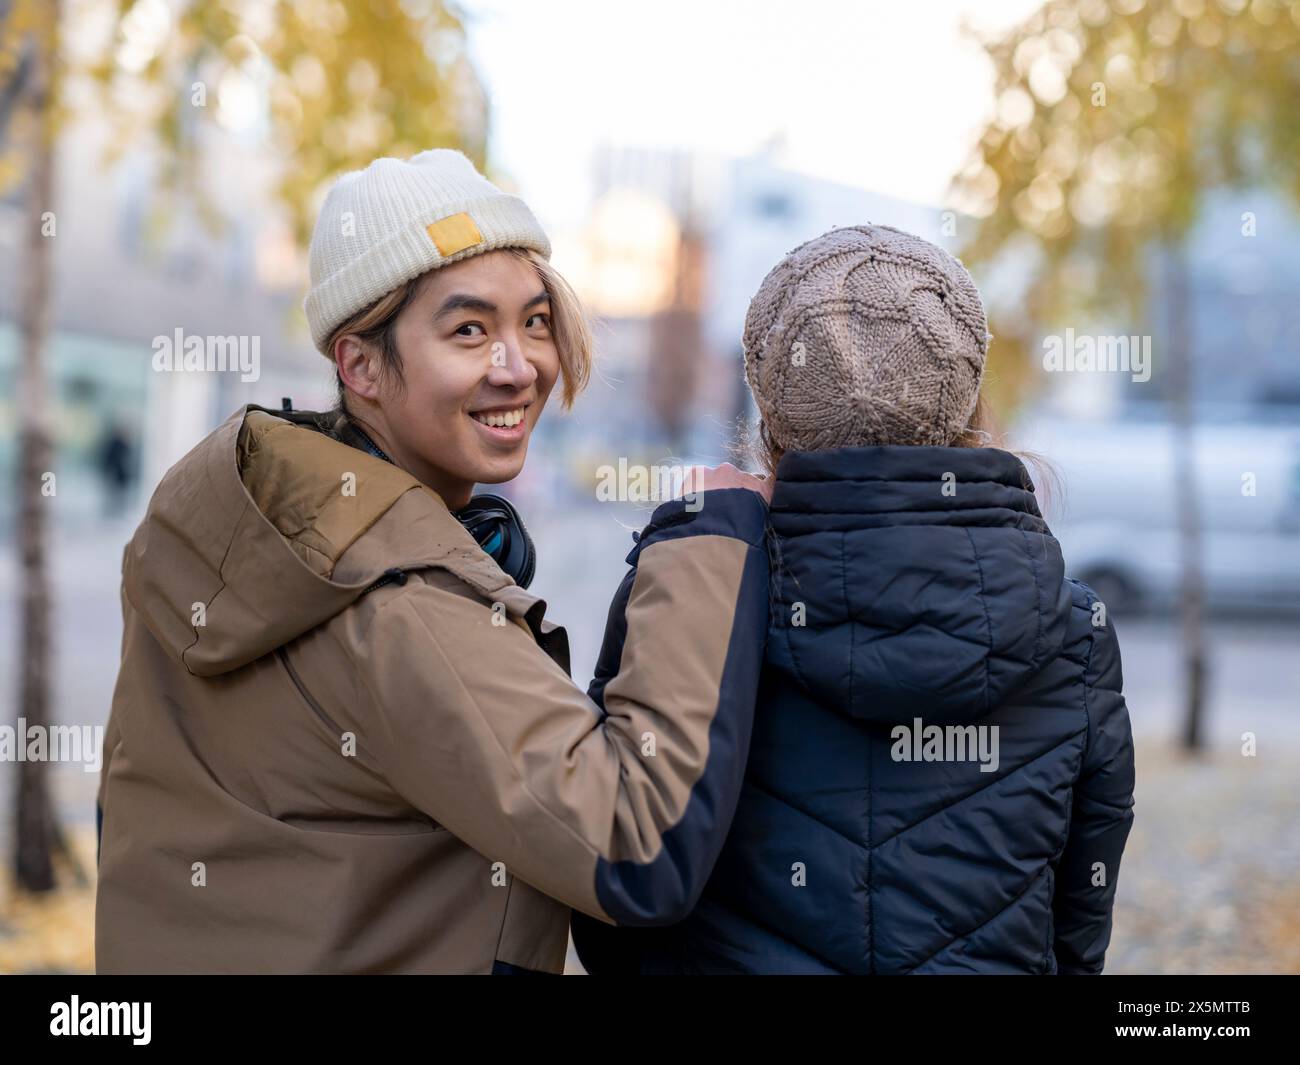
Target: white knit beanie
{"points": [[384, 225]]}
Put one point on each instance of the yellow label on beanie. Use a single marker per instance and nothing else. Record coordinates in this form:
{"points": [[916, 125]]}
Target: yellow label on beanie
{"points": [[454, 233]]}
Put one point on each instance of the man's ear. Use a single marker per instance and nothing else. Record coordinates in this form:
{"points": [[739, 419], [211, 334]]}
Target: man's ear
{"points": [[358, 367]]}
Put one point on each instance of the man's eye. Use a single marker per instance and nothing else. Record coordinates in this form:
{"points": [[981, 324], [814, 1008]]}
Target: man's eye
{"points": [[467, 330], [538, 320]]}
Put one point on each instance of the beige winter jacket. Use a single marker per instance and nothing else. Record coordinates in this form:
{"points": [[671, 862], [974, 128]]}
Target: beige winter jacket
{"points": [[306, 771]]}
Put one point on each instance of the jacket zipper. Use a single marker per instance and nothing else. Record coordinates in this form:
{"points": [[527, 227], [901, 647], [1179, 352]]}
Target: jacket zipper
{"points": [[391, 576]]}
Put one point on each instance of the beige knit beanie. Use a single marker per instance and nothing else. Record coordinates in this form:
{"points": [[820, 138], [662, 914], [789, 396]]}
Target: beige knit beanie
{"points": [[384, 225], [865, 335]]}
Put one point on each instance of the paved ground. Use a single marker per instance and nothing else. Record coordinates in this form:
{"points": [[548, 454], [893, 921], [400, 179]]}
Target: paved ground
{"points": [[1210, 881]]}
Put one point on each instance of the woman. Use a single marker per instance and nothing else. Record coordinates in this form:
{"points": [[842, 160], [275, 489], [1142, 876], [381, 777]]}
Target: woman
{"points": [[343, 738], [941, 773]]}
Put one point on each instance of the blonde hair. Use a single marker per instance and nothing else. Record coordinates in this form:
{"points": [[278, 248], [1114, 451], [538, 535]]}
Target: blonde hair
{"points": [[981, 430], [569, 326]]}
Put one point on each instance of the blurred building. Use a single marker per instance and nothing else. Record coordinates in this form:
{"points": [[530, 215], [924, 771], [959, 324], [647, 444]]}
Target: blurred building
{"points": [[1110, 440], [118, 286], [676, 245], [132, 268], [1243, 268]]}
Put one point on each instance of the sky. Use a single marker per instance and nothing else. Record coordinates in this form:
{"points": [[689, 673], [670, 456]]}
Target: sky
{"points": [[886, 96]]}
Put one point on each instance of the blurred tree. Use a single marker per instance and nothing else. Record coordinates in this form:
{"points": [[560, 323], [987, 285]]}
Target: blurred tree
{"points": [[1113, 120], [29, 35], [333, 84], [341, 82]]}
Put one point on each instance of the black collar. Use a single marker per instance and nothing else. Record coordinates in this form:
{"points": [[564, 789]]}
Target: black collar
{"points": [[369, 445]]}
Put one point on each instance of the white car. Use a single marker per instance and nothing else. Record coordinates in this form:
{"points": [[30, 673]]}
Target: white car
{"points": [[1116, 514]]}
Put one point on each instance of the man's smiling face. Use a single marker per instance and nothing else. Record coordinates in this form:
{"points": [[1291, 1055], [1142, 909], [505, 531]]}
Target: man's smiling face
{"points": [[479, 361]]}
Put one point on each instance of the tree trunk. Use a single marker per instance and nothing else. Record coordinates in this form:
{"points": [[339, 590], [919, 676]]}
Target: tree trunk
{"points": [[1192, 598], [36, 830]]}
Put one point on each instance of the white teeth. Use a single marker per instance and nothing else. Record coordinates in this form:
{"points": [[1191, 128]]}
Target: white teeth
{"points": [[502, 419]]}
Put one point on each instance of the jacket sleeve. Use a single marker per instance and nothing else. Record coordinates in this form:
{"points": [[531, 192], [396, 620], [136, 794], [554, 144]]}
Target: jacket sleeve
{"points": [[602, 949], [617, 810], [1101, 818], [112, 739]]}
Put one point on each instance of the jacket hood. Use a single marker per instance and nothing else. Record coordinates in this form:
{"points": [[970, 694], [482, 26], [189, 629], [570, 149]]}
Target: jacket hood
{"points": [[239, 551], [931, 587]]}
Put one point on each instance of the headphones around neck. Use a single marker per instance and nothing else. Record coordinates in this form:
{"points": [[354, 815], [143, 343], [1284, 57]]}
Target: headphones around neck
{"points": [[492, 520], [498, 529]]}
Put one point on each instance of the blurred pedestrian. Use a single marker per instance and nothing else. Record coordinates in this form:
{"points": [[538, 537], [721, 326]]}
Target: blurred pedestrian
{"points": [[116, 466]]}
